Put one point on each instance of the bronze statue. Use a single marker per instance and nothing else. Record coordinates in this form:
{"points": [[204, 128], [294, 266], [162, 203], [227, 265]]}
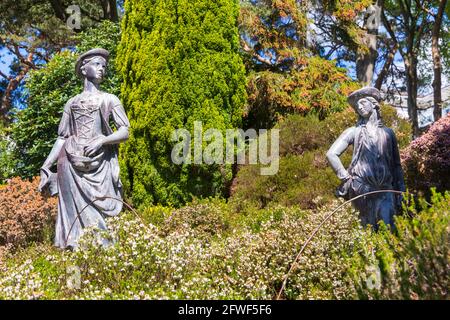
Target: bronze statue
{"points": [[375, 163], [86, 154]]}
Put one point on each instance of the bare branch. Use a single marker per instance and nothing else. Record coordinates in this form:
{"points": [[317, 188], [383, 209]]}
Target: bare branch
{"points": [[423, 8], [252, 52], [391, 32], [387, 65]]}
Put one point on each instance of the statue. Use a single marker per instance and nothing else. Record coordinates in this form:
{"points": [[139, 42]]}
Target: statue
{"points": [[86, 154], [375, 163]]}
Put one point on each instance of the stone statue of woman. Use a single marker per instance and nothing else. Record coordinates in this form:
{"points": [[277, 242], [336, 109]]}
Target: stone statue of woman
{"points": [[375, 163], [86, 155]]}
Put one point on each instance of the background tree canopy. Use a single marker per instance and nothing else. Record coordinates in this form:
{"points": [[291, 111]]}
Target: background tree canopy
{"points": [[32, 31]]}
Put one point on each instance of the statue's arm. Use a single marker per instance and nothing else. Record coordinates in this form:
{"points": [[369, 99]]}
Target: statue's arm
{"points": [[121, 134], [117, 137], [53, 156], [63, 133], [337, 148], [51, 159], [121, 121]]}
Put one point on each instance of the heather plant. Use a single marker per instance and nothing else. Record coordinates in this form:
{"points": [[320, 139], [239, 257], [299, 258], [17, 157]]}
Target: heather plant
{"points": [[167, 263], [304, 180], [411, 263], [25, 215], [4, 251], [426, 161], [183, 258], [205, 218]]}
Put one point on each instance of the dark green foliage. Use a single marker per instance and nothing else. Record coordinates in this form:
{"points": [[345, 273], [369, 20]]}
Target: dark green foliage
{"points": [[302, 179], [35, 128], [305, 177], [7, 163], [180, 64]]}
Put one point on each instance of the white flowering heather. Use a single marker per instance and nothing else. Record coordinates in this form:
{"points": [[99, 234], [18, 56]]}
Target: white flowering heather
{"points": [[206, 251], [21, 283], [197, 252]]}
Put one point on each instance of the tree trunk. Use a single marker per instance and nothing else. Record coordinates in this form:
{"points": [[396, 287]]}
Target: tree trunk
{"points": [[114, 12], [59, 9], [365, 62], [387, 64], [110, 10], [13, 83], [437, 65], [411, 88]]}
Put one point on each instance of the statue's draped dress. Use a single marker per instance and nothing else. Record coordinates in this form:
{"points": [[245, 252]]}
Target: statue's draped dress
{"points": [[375, 166], [88, 186]]}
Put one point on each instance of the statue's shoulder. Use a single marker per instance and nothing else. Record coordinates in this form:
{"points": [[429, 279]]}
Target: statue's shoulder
{"points": [[74, 98], [389, 131], [111, 98], [71, 101], [348, 135], [350, 131]]}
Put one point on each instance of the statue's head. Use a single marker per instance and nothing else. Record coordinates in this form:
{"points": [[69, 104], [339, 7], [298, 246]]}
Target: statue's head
{"points": [[92, 64], [365, 101]]}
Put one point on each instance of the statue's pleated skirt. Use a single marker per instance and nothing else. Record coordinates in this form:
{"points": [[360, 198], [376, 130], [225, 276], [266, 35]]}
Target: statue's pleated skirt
{"points": [[85, 197]]}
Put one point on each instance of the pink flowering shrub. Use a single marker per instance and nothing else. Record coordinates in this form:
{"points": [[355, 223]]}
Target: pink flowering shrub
{"points": [[426, 161]]}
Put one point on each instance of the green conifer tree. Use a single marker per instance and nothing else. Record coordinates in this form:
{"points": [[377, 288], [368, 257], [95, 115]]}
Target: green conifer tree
{"points": [[180, 63]]}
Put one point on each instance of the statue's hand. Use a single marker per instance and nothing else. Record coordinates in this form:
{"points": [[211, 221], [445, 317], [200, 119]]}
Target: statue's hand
{"points": [[343, 189], [92, 149], [44, 180]]}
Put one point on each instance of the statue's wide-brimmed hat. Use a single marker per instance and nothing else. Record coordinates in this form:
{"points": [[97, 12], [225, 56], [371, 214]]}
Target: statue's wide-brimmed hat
{"points": [[89, 54], [363, 93]]}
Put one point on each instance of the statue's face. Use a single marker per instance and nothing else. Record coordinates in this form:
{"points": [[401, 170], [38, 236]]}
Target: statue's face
{"points": [[365, 108], [95, 69]]}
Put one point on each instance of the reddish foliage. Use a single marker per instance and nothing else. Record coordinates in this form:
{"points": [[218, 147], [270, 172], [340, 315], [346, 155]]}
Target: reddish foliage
{"points": [[25, 215], [320, 88], [426, 161]]}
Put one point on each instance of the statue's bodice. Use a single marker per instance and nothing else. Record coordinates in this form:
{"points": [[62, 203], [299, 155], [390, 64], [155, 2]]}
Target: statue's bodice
{"points": [[87, 118]]}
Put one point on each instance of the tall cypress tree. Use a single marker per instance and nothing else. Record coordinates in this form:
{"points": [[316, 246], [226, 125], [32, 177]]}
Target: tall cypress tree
{"points": [[180, 63]]}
